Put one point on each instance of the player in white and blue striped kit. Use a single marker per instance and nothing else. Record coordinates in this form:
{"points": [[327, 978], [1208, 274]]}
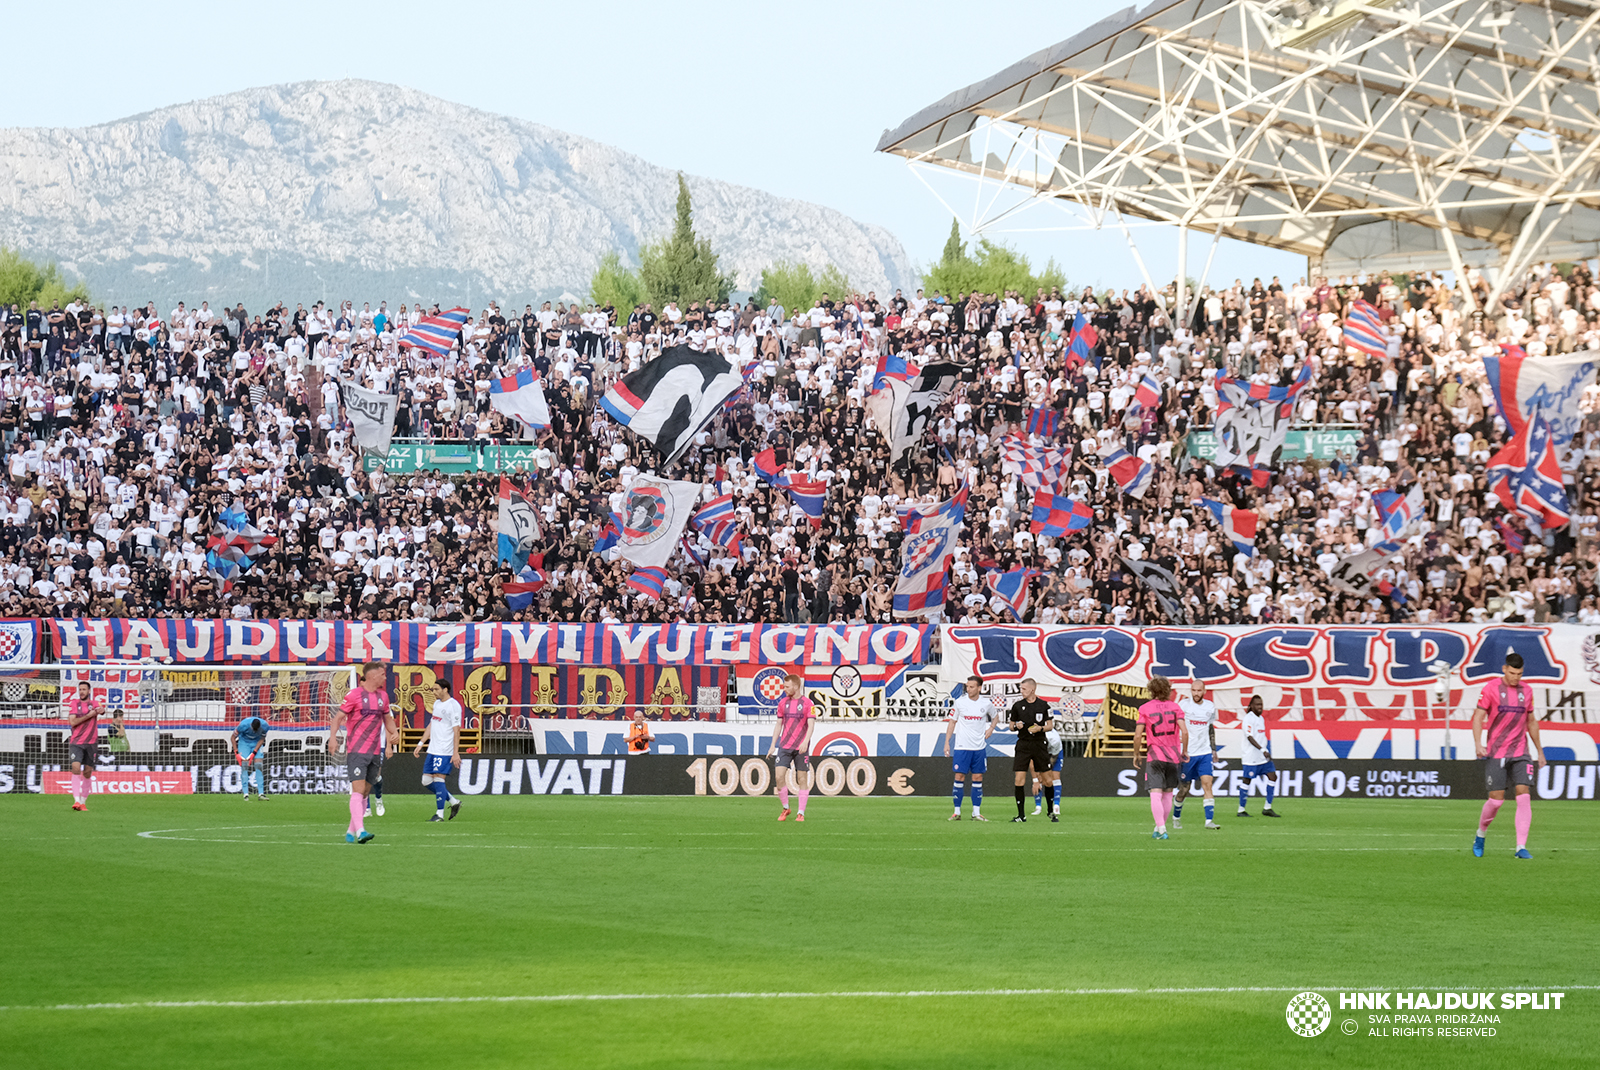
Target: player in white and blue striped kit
{"points": [[442, 737]]}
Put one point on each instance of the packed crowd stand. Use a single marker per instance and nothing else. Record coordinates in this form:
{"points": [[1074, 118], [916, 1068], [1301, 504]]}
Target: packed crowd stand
{"points": [[129, 431]]}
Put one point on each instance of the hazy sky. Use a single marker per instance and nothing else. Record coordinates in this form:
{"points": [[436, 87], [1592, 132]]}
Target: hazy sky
{"points": [[793, 106]]}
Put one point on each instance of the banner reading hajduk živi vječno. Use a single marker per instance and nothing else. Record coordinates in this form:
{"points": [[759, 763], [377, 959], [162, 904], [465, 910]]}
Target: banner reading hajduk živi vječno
{"points": [[250, 642]]}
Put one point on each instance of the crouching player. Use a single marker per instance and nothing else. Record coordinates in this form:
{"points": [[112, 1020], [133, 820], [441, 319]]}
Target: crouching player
{"points": [[1257, 760], [442, 737], [249, 742]]}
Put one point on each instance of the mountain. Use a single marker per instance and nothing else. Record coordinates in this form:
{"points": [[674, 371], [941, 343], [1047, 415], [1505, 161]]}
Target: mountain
{"points": [[367, 191]]}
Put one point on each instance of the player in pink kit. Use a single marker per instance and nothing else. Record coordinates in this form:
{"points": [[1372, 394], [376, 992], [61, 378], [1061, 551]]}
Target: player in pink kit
{"points": [[83, 715], [1161, 728], [1506, 706], [366, 712], [792, 745]]}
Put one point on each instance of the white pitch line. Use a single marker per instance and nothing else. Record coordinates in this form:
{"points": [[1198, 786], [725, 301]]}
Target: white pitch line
{"points": [[620, 997]]}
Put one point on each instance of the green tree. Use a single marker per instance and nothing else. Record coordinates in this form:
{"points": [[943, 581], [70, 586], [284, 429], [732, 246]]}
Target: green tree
{"points": [[796, 286], [22, 281], [613, 284], [682, 267], [993, 268]]}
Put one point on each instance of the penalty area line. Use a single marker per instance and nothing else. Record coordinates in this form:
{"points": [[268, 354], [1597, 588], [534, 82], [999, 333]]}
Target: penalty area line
{"points": [[621, 997]]}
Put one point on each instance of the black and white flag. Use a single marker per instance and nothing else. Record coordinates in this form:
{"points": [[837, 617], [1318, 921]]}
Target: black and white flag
{"points": [[371, 416], [902, 411], [669, 399], [1164, 585]]}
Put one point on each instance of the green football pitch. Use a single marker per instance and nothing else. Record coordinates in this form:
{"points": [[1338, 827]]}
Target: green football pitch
{"points": [[699, 932]]}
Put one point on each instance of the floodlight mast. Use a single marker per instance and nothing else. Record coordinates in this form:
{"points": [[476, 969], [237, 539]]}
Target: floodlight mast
{"points": [[1403, 134]]}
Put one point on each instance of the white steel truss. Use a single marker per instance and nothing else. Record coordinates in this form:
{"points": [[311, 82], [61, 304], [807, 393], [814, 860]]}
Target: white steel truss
{"points": [[1387, 133]]}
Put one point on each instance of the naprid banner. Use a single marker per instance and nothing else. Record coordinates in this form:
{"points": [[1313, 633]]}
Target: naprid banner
{"points": [[726, 775]]}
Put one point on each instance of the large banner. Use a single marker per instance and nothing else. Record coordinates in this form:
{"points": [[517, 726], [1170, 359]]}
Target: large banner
{"points": [[252, 642], [1402, 783], [845, 691], [508, 699], [1302, 672]]}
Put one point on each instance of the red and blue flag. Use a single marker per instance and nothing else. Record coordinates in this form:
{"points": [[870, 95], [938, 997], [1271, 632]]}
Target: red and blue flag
{"points": [[1238, 525], [1130, 473], [1043, 421], [436, 334], [1084, 345], [1012, 588], [1057, 514], [1363, 330], [1526, 476], [648, 581]]}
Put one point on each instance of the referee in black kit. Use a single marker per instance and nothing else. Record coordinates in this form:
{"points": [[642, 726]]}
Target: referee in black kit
{"points": [[1030, 720]]}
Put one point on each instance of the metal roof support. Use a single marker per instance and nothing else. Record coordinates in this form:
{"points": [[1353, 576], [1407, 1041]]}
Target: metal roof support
{"points": [[1219, 114]]}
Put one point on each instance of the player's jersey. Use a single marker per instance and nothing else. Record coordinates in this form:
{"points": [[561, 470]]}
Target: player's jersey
{"points": [[1254, 725], [446, 718], [1162, 722], [1199, 717], [89, 731], [252, 731], [1507, 722], [364, 728], [972, 717], [794, 716]]}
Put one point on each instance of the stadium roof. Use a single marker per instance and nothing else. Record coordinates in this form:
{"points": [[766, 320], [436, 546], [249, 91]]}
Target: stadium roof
{"points": [[1386, 134]]}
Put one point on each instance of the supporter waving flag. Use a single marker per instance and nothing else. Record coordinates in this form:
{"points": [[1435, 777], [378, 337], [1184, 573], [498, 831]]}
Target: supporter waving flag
{"points": [[610, 535], [518, 525], [1363, 330], [667, 401], [1526, 476], [1056, 514], [1043, 421], [1550, 386], [1039, 467], [1397, 513], [1084, 345], [919, 590], [1012, 588], [912, 517], [1147, 396], [714, 513], [521, 397], [1131, 474], [1238, 525], [767, 468], [649, 582], [519, 592], [811, 495], [893, 366], [1253, 423], [436, 334]]}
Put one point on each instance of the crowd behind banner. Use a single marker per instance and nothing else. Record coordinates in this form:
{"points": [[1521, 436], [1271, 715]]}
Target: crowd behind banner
{"points": [[189, 462]]}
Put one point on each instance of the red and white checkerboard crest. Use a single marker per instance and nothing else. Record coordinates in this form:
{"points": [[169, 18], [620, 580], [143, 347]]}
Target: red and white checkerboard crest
{"points": [[924, 548], [17, 643], [767, 687]]}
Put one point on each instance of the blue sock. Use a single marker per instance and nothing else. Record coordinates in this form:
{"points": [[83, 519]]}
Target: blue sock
{"points": [[1056, 794], [1177, 807], [1244, 792], [441, 793], [1038, 799], [957, 791], [977, 795], [1272, 789], [1211, 810]]}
